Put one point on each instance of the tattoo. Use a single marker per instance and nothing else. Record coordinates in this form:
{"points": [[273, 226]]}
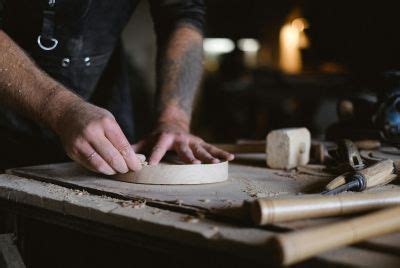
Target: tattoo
{"points": [[179, 76]]}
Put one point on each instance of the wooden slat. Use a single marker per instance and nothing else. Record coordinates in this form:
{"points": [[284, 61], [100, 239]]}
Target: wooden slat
{"points": [[155, 222], [221, 199], [172, 226], [9, 254]]}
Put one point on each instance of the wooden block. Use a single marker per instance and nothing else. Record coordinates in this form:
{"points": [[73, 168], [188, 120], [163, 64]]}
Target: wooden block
{"points": [[165, 173], [288, 148]]}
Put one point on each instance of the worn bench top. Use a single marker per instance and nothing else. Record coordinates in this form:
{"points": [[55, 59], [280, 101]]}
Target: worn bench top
{"points": [[205, 215]]}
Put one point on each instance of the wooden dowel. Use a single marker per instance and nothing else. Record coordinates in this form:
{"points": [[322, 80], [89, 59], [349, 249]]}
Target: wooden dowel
{"points": [[300, 245], [242, 148], [267, 211], [367, 144]]}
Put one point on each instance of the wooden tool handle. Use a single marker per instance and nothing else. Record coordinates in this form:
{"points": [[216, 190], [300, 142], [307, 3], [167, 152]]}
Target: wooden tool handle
{"points": [[336, 182], [378, 174], [242, 148], [367, 144], [267, 211], [301, 245]]}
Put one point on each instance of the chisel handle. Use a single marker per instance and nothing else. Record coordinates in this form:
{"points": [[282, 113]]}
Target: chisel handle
{"points": [[273, 210], [300, 245], [378, 174]]}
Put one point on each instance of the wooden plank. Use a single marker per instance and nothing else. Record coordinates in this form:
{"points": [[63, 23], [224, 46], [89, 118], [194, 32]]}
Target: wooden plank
{"points": [[139, 218], [234, 239], [9, 254], [355, 257], [248, 179]]}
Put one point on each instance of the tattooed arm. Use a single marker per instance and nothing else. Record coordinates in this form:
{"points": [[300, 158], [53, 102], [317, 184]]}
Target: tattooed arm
{"points": [[179, 75], [180, 67]]}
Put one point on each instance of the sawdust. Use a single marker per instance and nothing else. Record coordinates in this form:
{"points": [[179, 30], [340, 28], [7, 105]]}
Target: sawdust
{"points": [[142, 159], [229, 202], [156, 211], [287, 174], [190, 219], [80, 192], [215, 229], [179, 202], [132, 203], [266, 190]]}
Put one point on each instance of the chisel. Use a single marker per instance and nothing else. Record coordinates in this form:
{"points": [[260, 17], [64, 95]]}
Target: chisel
{"points": [[284, 209], [380, 173]]}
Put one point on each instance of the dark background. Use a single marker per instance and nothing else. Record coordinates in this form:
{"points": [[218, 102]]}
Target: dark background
{"points": [[358, 38]]}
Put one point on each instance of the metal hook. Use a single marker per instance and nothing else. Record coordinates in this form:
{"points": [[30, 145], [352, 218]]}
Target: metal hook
{"points": [[55, 43]]}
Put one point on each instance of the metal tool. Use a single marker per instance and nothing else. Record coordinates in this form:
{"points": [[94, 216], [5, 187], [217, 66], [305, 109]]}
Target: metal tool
{"points": [[348, 156]]}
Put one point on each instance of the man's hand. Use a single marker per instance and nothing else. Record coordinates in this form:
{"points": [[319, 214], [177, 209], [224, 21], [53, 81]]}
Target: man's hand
{"points": [[190, 149], [93, 138]]}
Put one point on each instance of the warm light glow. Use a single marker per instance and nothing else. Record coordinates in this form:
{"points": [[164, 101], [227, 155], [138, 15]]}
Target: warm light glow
{"points": [[300, 24], [291, 39], [248, 45], [218, 45]]}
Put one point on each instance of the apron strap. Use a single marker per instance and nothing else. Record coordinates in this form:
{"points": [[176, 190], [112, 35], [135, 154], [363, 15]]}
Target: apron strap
{"points": [[46, 40]]}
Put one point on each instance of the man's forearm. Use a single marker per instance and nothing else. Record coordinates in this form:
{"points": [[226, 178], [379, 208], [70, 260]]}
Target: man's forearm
{"points": [[179, 74], [27, 89]]}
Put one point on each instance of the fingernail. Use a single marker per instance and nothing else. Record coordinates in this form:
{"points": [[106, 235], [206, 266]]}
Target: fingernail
{"points": [[123, 169], [215, 161], [138, 166], [196, 162], [108, 171]]}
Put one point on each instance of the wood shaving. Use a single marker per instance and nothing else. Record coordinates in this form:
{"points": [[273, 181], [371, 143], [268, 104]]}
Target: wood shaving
{"points": [[179, 202], [142, 159], [132, 204], [190, 219], [80, 193]]}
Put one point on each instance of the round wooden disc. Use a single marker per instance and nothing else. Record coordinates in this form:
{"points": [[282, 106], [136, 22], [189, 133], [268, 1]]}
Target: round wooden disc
{"points": [[165, 173]]}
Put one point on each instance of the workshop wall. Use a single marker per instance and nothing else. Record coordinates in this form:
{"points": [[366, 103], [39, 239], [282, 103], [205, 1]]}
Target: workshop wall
{"points": [[279, 64]]}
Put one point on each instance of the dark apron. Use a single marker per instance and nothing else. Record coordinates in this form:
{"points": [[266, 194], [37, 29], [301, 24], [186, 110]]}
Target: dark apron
{"points": [[88, 59]]}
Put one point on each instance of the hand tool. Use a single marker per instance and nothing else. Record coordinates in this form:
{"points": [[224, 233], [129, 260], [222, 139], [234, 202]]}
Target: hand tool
{"points": [[348, 156], [300, 245], [379, 173], [272, 210]]}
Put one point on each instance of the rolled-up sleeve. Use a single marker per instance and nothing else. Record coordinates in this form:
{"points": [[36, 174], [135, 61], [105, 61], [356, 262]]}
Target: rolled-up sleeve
{"points": [[168, 14]]}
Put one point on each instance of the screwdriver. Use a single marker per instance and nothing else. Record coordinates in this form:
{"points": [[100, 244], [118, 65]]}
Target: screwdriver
{"points": [[380, 173]]}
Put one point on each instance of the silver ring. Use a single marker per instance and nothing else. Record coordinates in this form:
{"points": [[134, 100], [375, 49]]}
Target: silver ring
{"points": [[91, 156], [39, 41]]}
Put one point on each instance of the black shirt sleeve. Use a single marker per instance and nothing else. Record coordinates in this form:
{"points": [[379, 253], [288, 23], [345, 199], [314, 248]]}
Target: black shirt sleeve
{"points": [[168, 14], [1, 13]]}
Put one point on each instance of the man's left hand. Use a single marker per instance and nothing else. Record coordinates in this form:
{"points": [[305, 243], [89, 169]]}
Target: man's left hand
{"points": [[190, 149]]}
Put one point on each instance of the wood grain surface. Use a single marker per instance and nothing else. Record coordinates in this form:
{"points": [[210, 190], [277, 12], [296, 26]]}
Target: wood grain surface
{"points": [[166, 173]]}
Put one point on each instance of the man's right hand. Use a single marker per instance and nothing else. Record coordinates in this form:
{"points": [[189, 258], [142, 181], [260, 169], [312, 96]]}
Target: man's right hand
{"points": [[93, 138], [90, 134]]}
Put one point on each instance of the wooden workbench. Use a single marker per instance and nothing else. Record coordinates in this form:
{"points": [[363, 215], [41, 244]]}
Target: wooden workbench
{"points": [[205, 223]]}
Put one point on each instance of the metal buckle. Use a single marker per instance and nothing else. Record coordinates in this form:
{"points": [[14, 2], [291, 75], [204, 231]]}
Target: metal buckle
{"points": [[39, 41]]}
